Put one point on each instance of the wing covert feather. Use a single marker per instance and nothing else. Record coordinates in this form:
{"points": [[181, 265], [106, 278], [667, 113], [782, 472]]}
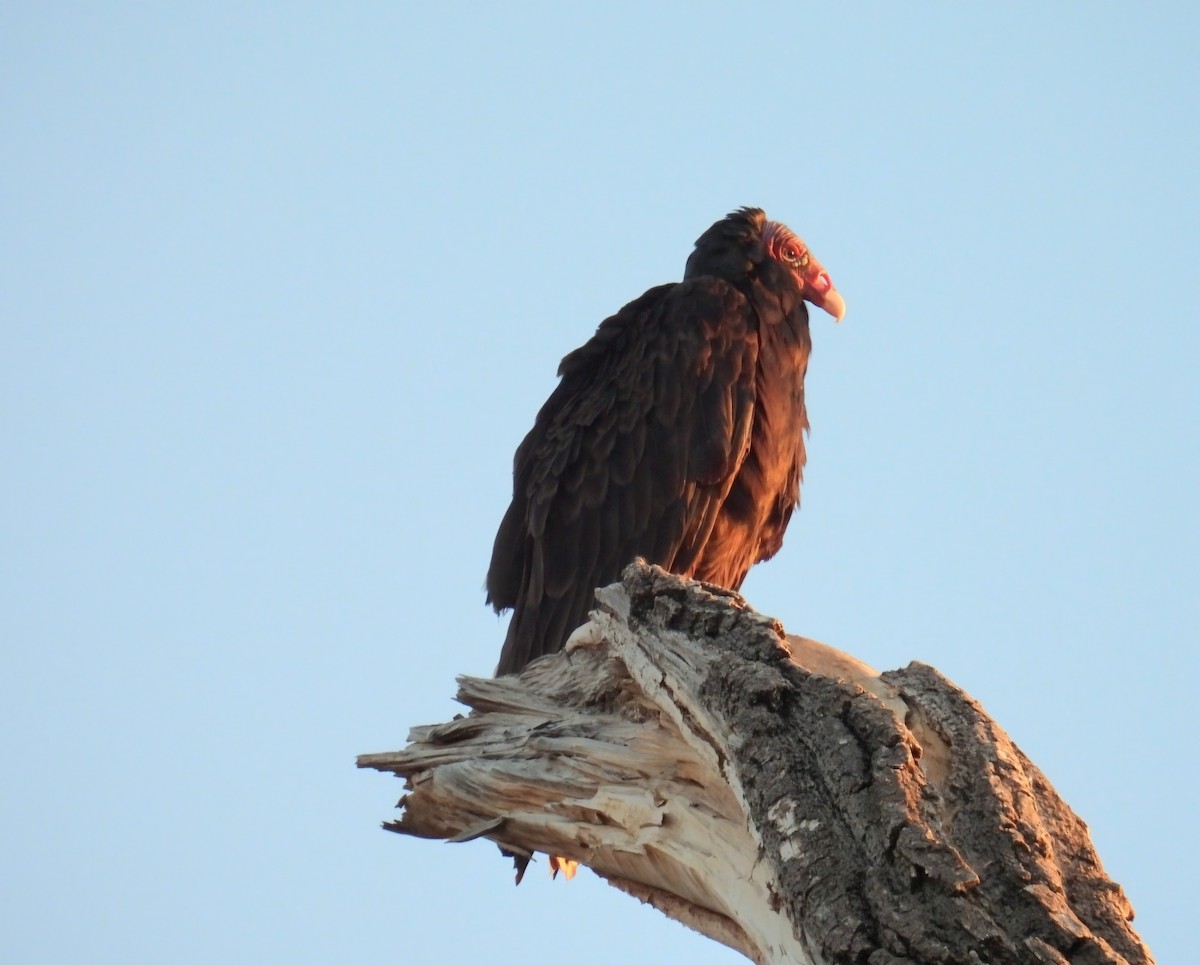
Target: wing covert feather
{"points": [[632, 455]]}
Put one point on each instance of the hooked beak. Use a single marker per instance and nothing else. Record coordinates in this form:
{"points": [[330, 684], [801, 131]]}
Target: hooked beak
{"points": [[818, 289], [833, 303]]}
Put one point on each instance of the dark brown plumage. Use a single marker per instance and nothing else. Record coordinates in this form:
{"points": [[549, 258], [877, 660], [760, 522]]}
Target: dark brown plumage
{"points": [[675, 434]]}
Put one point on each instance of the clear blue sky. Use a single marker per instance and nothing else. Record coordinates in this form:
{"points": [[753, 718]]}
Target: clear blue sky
{"points": [[282, 287]]}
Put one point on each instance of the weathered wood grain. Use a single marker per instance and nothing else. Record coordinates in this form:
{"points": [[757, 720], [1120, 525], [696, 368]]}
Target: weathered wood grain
{"points": [[772, 793]]}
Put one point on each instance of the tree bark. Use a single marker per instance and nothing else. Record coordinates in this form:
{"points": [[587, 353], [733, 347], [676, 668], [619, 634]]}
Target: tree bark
{"points": [[770, 792]]}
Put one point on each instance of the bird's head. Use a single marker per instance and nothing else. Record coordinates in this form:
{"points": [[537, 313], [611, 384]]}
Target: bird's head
{"points": [[745, 238], [786, 247]]}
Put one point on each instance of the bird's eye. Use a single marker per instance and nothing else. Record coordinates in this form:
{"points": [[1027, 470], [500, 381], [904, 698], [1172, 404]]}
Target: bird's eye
{"points": [[795, 256]]}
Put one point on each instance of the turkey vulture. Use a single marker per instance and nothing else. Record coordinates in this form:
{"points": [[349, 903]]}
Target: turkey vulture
{"points": [[675, 434]]}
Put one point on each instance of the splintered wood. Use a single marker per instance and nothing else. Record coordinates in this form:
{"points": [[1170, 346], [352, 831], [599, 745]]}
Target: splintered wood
{"points": [[772, 793]]}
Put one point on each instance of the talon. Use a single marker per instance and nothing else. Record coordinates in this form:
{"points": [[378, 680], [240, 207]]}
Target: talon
{"points": [[565, 865]]}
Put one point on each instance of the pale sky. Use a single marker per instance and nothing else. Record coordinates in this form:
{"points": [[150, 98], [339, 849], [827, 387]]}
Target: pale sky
{"points": [[282, 287]]}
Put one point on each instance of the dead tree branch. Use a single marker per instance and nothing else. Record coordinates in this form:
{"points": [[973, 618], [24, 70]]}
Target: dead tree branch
{"points": [[770, 792]]}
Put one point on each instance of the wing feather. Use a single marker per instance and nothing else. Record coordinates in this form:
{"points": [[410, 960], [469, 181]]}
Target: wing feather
{"points": [[632, 455]]}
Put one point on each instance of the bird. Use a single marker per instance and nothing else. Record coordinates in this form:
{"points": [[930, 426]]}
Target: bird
{"points": [[675, 434]]}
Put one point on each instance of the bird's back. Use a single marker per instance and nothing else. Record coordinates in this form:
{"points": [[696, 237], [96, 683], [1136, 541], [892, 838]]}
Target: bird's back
{"points": [[675, 434]]}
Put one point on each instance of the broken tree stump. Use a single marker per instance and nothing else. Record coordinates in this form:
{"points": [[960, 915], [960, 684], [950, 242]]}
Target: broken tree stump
{"points": [[769, 791]]}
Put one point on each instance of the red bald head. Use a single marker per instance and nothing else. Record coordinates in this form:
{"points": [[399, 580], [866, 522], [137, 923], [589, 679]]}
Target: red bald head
{"points": [[782, 244]]}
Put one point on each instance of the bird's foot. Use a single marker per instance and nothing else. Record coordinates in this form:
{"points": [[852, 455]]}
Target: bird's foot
{"points": [[565, 865]]}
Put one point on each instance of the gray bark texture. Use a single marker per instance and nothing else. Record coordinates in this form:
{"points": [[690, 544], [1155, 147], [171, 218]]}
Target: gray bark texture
{"points": [[771, 792]]}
